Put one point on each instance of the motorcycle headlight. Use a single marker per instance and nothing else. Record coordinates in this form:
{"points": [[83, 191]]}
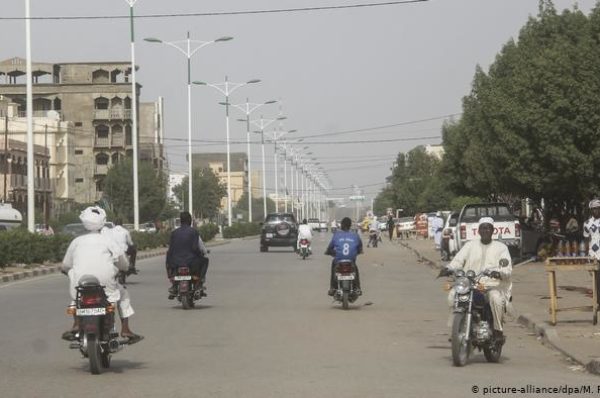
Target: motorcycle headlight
{"points": [[470, 274], [462, 286], [459, 273], [463, 297]]}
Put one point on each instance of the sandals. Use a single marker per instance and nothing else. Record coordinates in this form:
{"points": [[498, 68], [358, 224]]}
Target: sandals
{"points": [[70, 335], [133, 338]]}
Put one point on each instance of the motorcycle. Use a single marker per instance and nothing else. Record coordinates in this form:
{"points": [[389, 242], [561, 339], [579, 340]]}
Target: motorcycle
{"points": [[189, 288], [473, 323], [373, 238], [304, 248], [97, 338], [345, 274]]}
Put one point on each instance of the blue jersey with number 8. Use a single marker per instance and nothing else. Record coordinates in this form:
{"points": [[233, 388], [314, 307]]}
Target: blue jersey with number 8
{"points": [[346, 244]]}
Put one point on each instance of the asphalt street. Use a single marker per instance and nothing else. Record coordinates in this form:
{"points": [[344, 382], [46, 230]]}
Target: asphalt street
{"points": [[268, 329]]}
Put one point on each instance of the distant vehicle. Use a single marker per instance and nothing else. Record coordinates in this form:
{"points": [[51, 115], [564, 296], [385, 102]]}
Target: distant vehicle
{"points": [[507, 228], [405, 226], [314, 224], [148, 227], [75, 229], [9, 217], [323, 226], [279, 229], [382, 224], [129, 227]]}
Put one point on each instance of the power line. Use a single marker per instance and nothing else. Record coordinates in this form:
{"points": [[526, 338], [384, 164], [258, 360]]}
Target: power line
{"points": [[222, 13]]}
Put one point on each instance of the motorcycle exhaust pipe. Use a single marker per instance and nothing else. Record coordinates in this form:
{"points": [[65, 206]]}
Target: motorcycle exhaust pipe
{"points": [[114, 346]]}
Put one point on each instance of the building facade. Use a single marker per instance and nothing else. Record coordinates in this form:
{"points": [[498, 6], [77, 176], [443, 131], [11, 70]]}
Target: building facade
{"points": [[96, 97]]}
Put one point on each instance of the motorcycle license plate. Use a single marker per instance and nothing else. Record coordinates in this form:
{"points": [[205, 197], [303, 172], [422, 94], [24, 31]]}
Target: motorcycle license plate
{"points": [[183, 278], [269, 235], [341, 277], [90, 311]]}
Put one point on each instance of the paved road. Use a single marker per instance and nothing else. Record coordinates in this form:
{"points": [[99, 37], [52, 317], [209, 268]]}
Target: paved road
{"points": [[268, 329]]}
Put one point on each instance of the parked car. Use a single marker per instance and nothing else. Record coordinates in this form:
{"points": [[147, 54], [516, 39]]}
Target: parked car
{"points": [[405, 226], [382, 224], [148, 227], [279, 229], [449, 248]]}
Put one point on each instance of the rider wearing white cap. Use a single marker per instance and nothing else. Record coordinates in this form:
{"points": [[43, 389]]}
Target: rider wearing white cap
{"points": [[479, 255], [97, 255], [591, 230]]}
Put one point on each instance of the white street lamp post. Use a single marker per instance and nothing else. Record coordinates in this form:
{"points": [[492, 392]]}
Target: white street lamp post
{"points": [[185, 47], [227, 88], [262, 123], [248, 108], [30, 153], [134, 133], [275, 136]]}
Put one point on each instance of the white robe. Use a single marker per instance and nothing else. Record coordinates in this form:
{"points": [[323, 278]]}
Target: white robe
{"points": [[437, 228], [100, 256], [478, 257]]}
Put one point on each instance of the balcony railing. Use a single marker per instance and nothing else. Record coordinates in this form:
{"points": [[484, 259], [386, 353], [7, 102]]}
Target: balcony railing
{"points": [[102, 142], [108, 114], [101, 169], [19, 181], [118, 140], [47, 113]]}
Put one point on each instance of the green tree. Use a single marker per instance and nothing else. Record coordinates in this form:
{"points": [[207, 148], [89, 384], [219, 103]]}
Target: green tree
{"points": [[530, 124], [257, 207], [207, 193], [118, 190]]}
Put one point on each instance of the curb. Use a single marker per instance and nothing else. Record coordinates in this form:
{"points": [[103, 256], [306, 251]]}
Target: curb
{"points": [[50, 269], [543, 330]]}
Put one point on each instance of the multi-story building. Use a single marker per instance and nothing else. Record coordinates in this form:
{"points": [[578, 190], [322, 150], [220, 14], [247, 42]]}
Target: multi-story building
{"points": [[217, 162], [97, 98], [51, 137]]}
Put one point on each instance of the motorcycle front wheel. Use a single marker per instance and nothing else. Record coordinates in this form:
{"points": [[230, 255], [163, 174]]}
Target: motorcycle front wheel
{"points": [[460, 347], [94, 353], [493, 353]]}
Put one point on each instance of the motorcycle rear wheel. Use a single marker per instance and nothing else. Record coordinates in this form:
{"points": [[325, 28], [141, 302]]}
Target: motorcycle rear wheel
{"points": [[345, 300], [492, 354], [460, 348], [186, 302], [94, 353]]}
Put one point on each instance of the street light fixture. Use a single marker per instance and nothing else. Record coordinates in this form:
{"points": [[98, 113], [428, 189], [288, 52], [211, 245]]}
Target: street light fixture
{"points": [[227, 88], [186, 48], [248, 108]]}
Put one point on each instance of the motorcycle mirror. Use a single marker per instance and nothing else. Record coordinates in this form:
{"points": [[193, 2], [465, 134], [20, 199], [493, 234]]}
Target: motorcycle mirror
{"points": [[503, 262]]}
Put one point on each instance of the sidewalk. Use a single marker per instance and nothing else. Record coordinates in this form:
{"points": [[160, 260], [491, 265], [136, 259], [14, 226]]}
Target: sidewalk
{"points": [[55, 267], [574, 335]]}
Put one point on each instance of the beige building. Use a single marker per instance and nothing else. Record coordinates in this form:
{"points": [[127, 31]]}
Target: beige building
{"points": [[97, 98], [51, 137], [217, 162]]}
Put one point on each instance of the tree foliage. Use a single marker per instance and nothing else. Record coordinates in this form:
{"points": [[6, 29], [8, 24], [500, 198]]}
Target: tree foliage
{"points": [[118, 190], [257, 207], [207, 193], [530, 125]]}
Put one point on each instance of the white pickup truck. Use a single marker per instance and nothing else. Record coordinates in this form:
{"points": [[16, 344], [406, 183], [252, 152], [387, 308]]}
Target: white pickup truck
{"points": [[507, 228]]}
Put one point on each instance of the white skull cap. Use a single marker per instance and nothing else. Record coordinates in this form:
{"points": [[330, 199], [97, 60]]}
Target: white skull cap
{"points": [[486, 220], [594, 203], [93, 218]]}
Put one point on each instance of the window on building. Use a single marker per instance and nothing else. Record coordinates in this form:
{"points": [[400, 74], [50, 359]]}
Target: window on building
{"points": [[78, 124], [79, 180], [102, 159], [100, 76], [78, 151], [101, 103]]}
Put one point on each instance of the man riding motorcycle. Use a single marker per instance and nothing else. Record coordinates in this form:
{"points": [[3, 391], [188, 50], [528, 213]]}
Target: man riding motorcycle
{"points": [[186, 249], [345, 245], [480, 255], [99, 256], [304, 232]]}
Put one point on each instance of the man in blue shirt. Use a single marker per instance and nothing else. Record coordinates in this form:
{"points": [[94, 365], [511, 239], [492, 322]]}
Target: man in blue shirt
{"points": [[345, 245]]}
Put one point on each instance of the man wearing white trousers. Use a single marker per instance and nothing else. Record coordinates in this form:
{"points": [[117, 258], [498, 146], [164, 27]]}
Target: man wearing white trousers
{"points": [[485, 254], [100, 256]]}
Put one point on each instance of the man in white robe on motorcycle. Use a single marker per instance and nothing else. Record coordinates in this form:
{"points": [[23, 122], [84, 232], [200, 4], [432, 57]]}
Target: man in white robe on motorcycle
{"points": [[304, 232], [100, 256], [486, 254]]}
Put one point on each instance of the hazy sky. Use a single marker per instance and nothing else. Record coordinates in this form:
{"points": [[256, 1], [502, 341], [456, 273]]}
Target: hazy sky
{"points": [[335, 70]]}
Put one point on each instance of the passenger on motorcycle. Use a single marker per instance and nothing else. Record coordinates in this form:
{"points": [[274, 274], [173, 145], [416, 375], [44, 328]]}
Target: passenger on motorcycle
{"points": [[97, 255], [304, 232], [484, 254], [345, 245], [373, 229], [186, 249], [123, 239]]}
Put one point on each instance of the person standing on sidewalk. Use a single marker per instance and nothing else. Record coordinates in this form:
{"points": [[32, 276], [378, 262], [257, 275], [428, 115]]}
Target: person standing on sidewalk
{"points": [[390, 226], [437, 228], [591, 230]]}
